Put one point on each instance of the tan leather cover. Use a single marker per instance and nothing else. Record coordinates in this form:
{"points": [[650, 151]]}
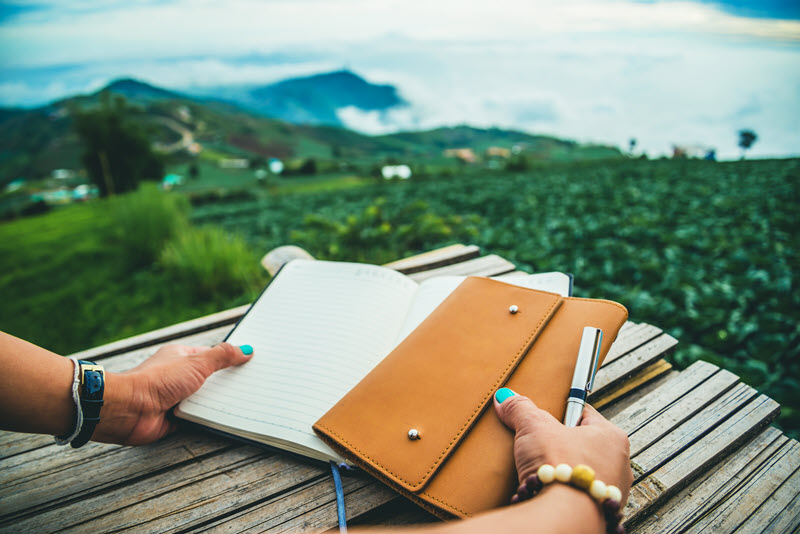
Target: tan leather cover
{"points": [[440, 381]]}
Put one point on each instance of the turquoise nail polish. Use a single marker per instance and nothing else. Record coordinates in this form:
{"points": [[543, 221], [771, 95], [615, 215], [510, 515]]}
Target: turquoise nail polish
{"points": [[246, 349], [502, 394]]}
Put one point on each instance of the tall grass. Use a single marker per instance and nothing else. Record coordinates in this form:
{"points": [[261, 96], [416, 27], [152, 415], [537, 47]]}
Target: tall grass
{"points": [[142, 222], [213, 261]]}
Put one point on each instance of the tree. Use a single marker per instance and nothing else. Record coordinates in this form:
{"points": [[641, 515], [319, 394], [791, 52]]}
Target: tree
{"points": [[117, 153], [746, 140]]}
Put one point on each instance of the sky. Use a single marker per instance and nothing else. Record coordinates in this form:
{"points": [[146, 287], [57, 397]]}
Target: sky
{"points": [[688, 73]]}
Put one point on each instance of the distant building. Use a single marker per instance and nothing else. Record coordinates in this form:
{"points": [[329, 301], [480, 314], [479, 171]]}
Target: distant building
{"points": [[402, 172], [62, 174], [275, 166], [170, 181], [466, 155], [184, 113], [15, 185], [692, 151], [234, 163], [498, 152]]}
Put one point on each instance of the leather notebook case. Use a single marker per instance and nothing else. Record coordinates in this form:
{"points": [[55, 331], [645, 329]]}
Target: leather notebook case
{"points": [[440, 381]]}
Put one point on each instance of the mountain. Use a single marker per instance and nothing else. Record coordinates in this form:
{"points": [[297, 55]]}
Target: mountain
{"points": [[316, 99], [34, 142], [138, 90]]}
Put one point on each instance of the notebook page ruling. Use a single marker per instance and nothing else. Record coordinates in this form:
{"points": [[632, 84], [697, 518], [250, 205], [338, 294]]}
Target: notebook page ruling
{"points": [[317, 330]]}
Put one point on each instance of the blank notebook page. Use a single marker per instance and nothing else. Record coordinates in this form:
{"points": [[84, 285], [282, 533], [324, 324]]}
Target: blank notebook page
{"points": [[316, 332]]}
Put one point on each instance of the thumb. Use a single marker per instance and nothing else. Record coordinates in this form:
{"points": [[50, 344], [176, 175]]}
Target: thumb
{"points": [[518, 412], [221, 356]]}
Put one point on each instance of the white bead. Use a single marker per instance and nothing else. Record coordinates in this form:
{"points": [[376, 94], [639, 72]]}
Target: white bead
{"points": [[546, 473], [613, 492], [563, 473], [513, 309], [598, 490], [413, 434]]}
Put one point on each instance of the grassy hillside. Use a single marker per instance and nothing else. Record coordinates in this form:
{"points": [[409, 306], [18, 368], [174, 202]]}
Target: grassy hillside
{"points": [[35, 142]]}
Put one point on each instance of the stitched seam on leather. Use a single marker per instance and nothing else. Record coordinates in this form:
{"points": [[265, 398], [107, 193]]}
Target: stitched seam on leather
{"points": [[446, 504], [382, 476], [465, 425], [598, 301]]}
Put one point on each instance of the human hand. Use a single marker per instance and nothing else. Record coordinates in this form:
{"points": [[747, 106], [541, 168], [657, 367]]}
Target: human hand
{"points": [[541, 439], [138, 401]]}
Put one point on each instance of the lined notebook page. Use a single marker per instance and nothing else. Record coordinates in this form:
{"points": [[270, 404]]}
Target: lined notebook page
{"points": [[317, 330]]}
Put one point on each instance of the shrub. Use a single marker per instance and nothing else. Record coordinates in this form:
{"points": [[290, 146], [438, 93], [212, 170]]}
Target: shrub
{"points": [[143, 221], [214, 262]]}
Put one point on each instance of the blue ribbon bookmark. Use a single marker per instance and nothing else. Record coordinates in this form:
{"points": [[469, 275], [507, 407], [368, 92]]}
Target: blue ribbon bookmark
{"points": [[340, 511]]}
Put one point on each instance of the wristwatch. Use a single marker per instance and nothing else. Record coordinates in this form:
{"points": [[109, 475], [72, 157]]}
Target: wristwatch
{"points": [[91, 392]]}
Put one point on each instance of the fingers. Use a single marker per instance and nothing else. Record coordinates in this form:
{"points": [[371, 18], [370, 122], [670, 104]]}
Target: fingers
{"points": [[222, 356], [591, 416], [517, 411]]}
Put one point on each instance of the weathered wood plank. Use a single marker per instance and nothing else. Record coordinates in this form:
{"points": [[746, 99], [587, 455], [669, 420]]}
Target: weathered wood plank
{"points": [[309, 507], [611, 375], [611, 410], [781, 511], [788, 518], [630, 339], [639, 413], [681, 410], [435, 259], [71, 514], [397, 512], [695, 458], [13, 443], [739, 506], [225, 491], [640, 378], [48, 477], [490, 265], [708, 490], [163, 335], [682, 437]]}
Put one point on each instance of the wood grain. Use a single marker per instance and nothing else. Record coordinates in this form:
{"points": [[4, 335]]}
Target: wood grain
{"points": [[611, 375], [52, 476], [694, 500], [641, 378], [435, 259], [639, 413], [490, 265], [162, 335], [669, 442], [739, 506]]}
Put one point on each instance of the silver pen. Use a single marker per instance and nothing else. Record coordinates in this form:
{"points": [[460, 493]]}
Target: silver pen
{"points": [[583, 377]]}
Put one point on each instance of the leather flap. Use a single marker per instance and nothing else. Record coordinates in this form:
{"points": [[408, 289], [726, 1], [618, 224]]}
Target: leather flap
{"points": [[437, 381]]}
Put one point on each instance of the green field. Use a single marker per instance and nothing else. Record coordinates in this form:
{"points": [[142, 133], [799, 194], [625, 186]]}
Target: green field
{"points": [[707, 251]]}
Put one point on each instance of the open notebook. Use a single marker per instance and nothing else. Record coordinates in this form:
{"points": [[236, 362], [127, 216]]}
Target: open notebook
{"points": [[317, 330]]}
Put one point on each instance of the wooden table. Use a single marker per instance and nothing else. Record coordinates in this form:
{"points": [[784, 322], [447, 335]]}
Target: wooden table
{"points": [[703, 453]]}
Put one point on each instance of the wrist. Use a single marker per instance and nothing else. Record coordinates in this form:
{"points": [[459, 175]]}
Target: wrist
{"points": [[581, 512], [118, 414]]}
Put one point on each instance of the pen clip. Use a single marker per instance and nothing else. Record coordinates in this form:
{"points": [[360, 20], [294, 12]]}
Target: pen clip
{"points": [[598, 339]]}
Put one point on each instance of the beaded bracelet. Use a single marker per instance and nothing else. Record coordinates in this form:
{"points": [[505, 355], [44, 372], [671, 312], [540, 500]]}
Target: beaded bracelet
{"points": [[582, 477]]}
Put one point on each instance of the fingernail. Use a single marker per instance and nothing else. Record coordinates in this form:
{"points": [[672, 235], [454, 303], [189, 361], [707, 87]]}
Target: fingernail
{"points": [[247, 350], [502, 394]]}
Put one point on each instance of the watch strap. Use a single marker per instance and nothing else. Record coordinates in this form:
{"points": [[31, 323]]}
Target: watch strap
{"points": [[91, 393]]}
